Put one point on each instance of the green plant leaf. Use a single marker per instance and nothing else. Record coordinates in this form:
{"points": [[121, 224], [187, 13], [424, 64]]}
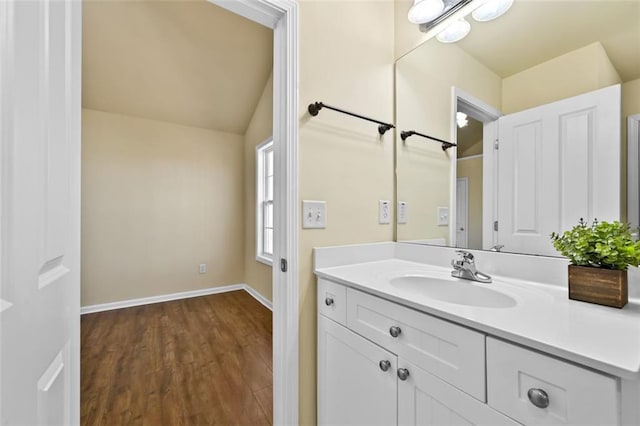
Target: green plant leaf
{"points": [[603, 244]]}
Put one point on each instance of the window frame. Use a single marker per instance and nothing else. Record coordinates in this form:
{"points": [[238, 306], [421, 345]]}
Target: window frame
{"points": [[261, 190]]}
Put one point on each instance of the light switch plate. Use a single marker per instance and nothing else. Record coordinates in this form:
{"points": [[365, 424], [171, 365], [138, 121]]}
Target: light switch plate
{"points": [[314, 214], [384, 212], [402, 212], [443, 216]]}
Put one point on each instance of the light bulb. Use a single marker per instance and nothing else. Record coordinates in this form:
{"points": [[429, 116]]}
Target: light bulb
{"points": [[456, 31], [491, 10], [424, 11], [461, 119]]}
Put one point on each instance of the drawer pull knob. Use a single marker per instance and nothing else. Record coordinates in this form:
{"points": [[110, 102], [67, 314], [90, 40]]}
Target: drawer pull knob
{"points": [[385, 365], [403, 374], [538, 397], [328, 301], [395, 331]]}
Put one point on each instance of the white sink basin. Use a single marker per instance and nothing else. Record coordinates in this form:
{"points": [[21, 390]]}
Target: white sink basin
{"points": [[454, 290]]}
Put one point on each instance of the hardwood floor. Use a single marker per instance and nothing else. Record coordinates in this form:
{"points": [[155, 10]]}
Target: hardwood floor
{"points": [[198, 361]]}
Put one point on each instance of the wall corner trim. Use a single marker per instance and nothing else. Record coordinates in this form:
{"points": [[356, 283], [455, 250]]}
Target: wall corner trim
{"points": [[176, 296]]}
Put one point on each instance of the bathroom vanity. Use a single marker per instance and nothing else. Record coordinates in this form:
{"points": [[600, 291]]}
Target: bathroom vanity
{"points": [[402, 342]]}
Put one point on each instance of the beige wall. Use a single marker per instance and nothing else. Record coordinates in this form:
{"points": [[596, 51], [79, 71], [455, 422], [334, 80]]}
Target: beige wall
{"points": [[574, 73], [424, 103], [406, 35], [346, 60], [475, 149], [157, 200], [257, 275], [471, 168]]}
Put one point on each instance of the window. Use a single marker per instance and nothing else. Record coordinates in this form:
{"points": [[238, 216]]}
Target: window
{"points": [[264, 202]]}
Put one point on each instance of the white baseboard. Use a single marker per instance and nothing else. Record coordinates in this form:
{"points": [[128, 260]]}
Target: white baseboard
{"points": [[176, 296], [260, 298]]}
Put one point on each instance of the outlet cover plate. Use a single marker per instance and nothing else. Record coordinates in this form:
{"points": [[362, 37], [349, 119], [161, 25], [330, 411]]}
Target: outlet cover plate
{"points": [[402, 212], [314, 214], [384, 212]]}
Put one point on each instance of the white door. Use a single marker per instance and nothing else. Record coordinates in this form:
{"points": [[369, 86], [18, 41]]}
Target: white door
{"points": [[423, 399], [558, 163], [354, 388], [462, 212], [40, 208]]}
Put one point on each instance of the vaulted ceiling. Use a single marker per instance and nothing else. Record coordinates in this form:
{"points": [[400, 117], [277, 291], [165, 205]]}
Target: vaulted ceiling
{"points": [[185, 62], [535, 31]]}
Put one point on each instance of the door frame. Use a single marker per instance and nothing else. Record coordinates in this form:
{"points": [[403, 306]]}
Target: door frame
{"points": [[282, 17], [633, 163], [481, 111], [465, 181]]}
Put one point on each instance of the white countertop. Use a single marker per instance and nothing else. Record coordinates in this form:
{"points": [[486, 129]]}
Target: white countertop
{"points": [[603, 338]]}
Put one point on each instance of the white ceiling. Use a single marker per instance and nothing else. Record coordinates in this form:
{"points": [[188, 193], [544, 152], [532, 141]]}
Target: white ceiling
{"points": [[185, 62], [534, 31]]}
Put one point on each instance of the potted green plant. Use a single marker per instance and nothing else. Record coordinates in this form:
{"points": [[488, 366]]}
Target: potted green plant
{"points": [[600, 255]]}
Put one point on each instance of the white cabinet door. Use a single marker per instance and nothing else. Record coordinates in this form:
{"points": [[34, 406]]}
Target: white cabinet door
{"points": [[423, 399], [353, 389], [556, 165], [40, 209]]}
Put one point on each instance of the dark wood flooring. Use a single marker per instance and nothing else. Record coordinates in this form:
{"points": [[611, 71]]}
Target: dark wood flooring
{"points": [[199, 361]]}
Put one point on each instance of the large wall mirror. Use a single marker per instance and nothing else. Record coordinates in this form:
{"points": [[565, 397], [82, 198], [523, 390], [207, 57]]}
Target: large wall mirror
{"points": [[547, 97]]}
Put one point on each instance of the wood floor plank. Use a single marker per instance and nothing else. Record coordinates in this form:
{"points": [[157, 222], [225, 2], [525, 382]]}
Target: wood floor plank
{"points": [[265, 399], [205, 360]]}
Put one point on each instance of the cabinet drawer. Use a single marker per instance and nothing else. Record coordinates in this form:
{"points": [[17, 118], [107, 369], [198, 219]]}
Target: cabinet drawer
{"points": [[332, 300], [575, 395], [451, 352]]}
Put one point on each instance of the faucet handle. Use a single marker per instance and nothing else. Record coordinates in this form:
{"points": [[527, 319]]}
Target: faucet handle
{"points": [[466, 256]]}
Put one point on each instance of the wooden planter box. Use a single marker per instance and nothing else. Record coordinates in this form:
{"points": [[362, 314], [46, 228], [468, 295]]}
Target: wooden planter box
{"points": [[602, 286]]}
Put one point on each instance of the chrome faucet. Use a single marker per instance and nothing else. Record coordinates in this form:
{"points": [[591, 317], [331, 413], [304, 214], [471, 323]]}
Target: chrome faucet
{"points": [[465, 267]]}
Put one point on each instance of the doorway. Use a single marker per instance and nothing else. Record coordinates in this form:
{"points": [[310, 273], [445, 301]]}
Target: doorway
{"points": [[27, 28], [474, 130], [280, 191]]}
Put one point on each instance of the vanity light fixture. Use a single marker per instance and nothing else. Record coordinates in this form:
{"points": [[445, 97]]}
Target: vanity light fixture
{"points": [[424, 11], [491, 10], [461, 119], [445, 18], [455, 31]]}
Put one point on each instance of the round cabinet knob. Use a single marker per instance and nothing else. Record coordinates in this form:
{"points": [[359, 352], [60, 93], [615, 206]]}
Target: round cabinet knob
{"points": [[328, 301], [403, 374], [385, 365], [395, 331], [538, 397]]}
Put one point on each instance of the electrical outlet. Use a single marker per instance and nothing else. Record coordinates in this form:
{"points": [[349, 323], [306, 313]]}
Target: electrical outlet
{"points": [[384, 212], [202, 268], [443, 216], [402, 212], [314, 214]]}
